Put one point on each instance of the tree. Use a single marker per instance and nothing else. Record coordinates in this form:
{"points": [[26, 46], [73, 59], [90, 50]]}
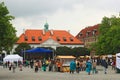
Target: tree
{"points": [[21, 47], [80, 51], [7, 31], [77, 51], [63, 51], [109, 38]]}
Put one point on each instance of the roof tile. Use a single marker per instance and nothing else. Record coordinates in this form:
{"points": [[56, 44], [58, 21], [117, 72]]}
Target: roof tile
{"points": [[46, 35], [89, 29]]}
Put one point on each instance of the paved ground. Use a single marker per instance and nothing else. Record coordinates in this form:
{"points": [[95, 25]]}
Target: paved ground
{"points": [[29, 74]]}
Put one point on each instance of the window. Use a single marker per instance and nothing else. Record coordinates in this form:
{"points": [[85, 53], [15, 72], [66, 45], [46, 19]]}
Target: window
{"points": [[26, 38], [33, 38], [87, 33], [58, 39], [39, 38], [80, 34], [71, 39], [94, 32], [64, 38]]}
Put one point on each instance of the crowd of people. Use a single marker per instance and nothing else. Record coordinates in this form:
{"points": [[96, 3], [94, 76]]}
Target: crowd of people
{"points": [[43, 65], [90, 65], [76, 65], [12, 65]]}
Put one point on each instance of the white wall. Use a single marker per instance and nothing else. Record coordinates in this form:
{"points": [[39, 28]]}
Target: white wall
{"points": [[49, 43]]}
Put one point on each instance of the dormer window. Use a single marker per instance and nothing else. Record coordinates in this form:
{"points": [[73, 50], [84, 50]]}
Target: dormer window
{"points": [[58, 39], [80, 34], [87, 33], [71, 39], [64, 38], [94, 32], [33, 38], [26, 38], [40, 38]]}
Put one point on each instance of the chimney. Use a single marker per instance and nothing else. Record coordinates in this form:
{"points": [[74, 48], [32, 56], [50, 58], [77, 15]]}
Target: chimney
{"points": [[68, 31], [43, 32], [51, 32]]}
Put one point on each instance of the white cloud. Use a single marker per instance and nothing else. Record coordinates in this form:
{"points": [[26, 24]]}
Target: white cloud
{"points": [[71, 15], [35, 7]]}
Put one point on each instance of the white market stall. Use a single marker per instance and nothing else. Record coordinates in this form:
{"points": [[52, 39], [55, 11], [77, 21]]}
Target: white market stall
{"points": [[118, 62], [12, 58]]}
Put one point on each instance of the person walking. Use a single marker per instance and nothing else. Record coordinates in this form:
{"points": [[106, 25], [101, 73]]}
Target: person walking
{"points": [[59, 65], [94, 67], [81, 65], [84, 65], [13, 66], [88, 67], [105, 65], [20, 66], [77, 66], [31, 64], [36, 66], [113, 65], [10, 66], [44, 66], [72, 66]]}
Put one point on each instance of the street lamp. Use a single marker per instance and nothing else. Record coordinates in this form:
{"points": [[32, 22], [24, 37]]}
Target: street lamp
{"points": [[53, 55], [24, 53]]}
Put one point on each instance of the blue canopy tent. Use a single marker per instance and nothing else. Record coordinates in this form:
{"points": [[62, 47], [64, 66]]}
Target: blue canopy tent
{"points": [[38, 50]]}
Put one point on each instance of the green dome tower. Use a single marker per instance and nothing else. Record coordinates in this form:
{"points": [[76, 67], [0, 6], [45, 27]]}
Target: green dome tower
{"points": [[46, 27]]}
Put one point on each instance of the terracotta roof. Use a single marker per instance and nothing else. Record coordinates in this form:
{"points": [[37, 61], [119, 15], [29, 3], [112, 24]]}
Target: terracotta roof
{"points": [[89, 30], [61, 36]]}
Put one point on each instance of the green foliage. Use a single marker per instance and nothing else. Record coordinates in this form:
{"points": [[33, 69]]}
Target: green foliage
{"points": [[80, 51], [77, 51], [7, 31], [109, 38], [63, 51], [21, 47]]}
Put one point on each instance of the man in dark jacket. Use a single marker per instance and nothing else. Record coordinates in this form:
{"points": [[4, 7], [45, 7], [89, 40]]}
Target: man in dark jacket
{"points": [[105, 65]]}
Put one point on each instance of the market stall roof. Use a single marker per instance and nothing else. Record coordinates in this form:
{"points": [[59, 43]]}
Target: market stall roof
{"points": [[87, 56], [12, 58], [65, 57], [82, 56]]}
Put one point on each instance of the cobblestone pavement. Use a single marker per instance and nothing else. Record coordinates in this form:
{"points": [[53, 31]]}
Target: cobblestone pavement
{"points": [[29, 74]]}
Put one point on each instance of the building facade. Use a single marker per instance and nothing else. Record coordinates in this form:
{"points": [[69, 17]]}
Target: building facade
{"points": [[88, 35], [48, 38]]}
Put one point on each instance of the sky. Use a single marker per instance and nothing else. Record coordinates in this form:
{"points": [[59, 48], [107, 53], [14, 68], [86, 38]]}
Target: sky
{"points": [[69, 15]]}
